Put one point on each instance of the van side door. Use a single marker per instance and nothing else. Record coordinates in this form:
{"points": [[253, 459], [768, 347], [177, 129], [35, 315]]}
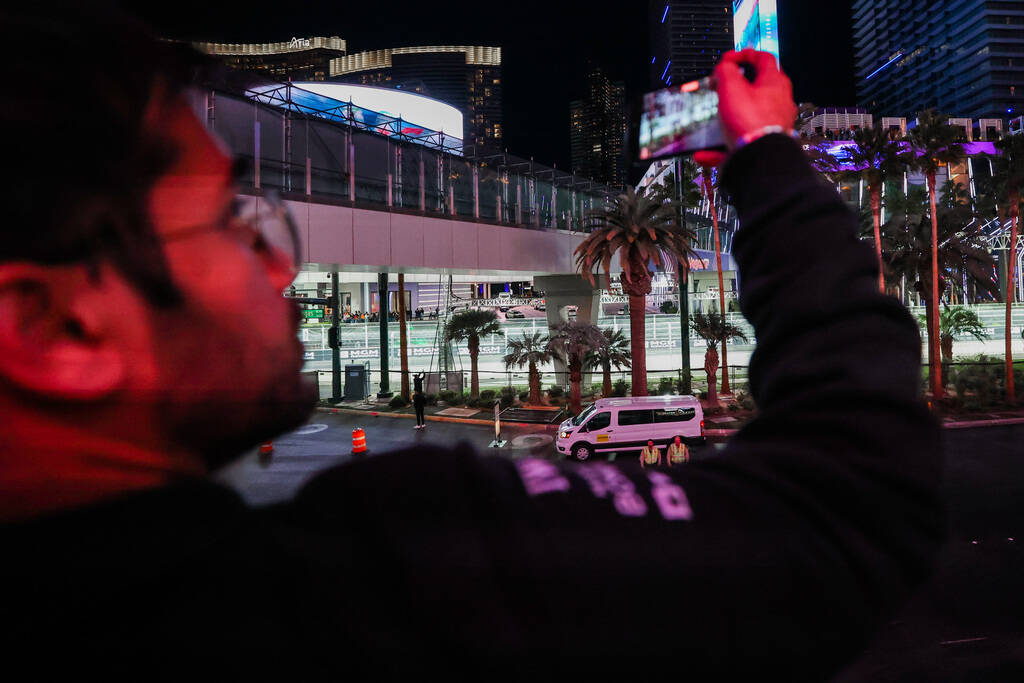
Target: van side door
{"points": [[598, 430]]}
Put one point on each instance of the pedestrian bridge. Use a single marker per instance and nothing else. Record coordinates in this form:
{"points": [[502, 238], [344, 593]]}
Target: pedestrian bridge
{"points": [[375, 199]]}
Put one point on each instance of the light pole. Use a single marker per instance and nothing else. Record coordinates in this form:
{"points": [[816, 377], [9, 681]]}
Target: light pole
{"points": [[684, 297], [709, 191]]}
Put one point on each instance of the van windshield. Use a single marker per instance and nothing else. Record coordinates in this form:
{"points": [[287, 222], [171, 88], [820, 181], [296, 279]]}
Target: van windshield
{"points": [[579, 419]]}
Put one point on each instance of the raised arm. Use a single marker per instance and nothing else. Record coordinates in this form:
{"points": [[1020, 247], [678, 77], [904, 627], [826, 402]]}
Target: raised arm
{"points": [[783, 553]]}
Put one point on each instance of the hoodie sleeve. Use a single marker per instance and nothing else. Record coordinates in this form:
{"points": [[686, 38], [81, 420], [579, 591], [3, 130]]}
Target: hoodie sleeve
{"points": [[781, 554]]}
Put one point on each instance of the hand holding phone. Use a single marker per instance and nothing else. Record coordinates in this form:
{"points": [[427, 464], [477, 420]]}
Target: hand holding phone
{"points": [[749, 102], [746, 94]]}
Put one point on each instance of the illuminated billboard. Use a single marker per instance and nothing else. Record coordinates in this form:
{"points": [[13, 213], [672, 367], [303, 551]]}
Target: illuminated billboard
{"points": [[414, 110], [756, 25]]}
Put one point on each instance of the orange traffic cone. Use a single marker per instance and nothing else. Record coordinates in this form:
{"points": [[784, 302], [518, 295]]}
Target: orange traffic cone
{"points": [[266, 453], [358, 441]]}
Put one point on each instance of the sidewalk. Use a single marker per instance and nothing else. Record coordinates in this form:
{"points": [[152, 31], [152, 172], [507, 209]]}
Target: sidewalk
{"points": [[722, 425]]}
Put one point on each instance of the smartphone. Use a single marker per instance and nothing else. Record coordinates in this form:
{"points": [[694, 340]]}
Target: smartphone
{"points": [[680, 120]]}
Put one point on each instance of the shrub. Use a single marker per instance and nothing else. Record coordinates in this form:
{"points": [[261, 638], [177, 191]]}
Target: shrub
{"points": [[748, 404], [620, 388], [669, 307], [554, 391], [487, 394], [431, 399], [734, 407], [524, 396], [397, 402], [979, 386], [446, 396], [666, 385], [702, 395], [456, 399], [508, 397]]}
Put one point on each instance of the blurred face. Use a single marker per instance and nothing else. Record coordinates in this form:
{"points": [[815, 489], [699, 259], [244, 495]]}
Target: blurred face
{"points": [[677, 440], [650, 443], [226, 362]]}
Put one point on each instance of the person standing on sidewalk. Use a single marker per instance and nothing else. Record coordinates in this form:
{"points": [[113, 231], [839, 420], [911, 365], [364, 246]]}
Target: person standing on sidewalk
{"points": [[678, 453], [650, 455], [419, 402]]}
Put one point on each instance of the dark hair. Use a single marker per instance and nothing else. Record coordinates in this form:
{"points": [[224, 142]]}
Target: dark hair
{"points": [[83, 78]]}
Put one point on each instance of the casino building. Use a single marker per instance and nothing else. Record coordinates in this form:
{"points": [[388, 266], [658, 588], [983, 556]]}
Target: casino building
{"points": [[958, 56], [300, 59]]}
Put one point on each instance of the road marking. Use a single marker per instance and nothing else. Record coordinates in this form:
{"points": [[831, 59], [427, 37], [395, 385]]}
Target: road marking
{"points": [[962, 640], [531, 441], [309, 429]]}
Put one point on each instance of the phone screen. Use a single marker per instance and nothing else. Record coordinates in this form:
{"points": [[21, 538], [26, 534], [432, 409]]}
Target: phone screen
{"points": [[680, 120]]}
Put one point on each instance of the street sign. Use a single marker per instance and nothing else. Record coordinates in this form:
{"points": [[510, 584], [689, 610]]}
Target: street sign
{"points": [[308, 313]]}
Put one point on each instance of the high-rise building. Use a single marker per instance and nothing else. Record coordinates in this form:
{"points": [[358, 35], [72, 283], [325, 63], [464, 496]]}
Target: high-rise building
{"points": [[301, 59], [467, 77], [962, 57], [598, 130], [687, 38]]}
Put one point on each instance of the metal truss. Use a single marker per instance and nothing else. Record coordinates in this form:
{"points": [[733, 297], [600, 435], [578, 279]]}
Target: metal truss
{"points": [[282, 97]]}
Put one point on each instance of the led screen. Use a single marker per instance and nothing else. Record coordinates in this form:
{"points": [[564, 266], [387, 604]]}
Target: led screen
{"points": [[756, 25], [414, 110]]}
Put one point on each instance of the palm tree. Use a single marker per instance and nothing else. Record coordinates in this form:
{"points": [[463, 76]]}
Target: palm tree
{"points": [[573, 341], [529, 351], [1007, 191], [714, 329], [469, 326], [710, 190], [614, 350], [818, 151], [906, 244], [875, 156], [953, 321], [686, 193], [934, 144], [642, 230]]}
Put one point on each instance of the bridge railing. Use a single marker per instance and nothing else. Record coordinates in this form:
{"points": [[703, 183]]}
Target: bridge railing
{"points": [[302, 154]]}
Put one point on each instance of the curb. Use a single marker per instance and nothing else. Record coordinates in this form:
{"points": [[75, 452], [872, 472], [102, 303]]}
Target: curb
{"points": [[984, 423], [432, 418]]}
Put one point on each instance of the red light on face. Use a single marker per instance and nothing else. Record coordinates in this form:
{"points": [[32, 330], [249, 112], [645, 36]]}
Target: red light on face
{"points": [[689, 87]]}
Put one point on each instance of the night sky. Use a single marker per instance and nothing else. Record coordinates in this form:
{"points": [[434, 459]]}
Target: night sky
{"points": [[546, 46]]}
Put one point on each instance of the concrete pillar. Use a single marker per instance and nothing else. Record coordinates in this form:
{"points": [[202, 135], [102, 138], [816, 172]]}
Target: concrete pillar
{"points": [[561, 291]]}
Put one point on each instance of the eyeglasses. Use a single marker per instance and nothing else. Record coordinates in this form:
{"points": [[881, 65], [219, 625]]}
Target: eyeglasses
{"points": [[262, 223]]}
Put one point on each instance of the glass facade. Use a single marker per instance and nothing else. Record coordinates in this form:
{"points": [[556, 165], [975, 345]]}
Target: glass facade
{"points": [[962, 57]]}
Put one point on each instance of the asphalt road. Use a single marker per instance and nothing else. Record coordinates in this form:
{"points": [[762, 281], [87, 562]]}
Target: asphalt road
{"points": [[327, 441], [965, 625]]}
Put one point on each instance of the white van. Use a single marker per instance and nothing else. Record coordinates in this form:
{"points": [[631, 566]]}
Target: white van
{"points": [[626, 424]]}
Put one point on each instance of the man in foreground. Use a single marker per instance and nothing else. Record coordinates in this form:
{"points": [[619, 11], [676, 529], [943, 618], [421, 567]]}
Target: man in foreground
{"points": [[144, 342]]}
